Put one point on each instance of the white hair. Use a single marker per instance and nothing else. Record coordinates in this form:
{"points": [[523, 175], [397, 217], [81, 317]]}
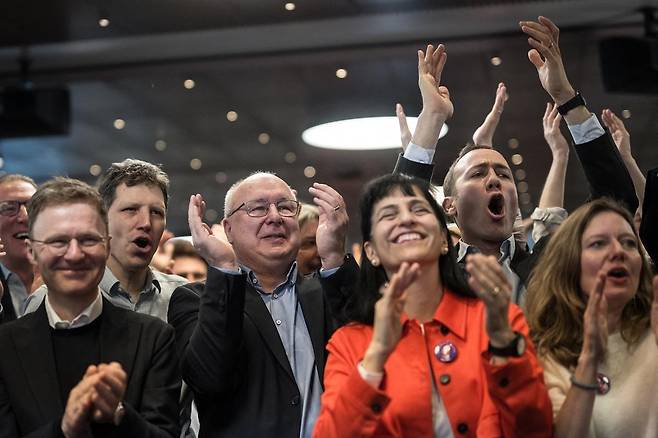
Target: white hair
{"points": [[228, 199]]}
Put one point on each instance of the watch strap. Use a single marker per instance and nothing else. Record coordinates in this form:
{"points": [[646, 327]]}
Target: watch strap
{"points": [[572, 103]]}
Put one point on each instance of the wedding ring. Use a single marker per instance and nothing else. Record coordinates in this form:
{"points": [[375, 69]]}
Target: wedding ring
{"points": [[495, 291], [336, 208]]}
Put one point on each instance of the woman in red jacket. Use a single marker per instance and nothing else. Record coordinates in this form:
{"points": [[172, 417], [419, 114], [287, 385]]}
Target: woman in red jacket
{"points": [[425, 356]]}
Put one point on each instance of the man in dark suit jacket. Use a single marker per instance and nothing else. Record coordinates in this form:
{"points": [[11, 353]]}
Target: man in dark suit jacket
{"points": [[256, 359], [79, 366]]}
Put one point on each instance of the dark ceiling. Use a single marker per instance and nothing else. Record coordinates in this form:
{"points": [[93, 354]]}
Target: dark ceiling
{"points": [[276, 69]]}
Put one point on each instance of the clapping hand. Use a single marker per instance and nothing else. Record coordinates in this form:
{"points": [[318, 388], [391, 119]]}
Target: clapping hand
{"points": [[213, 247]]}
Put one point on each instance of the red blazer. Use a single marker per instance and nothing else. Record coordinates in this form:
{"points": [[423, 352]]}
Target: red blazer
{"points": [[481, 399]]}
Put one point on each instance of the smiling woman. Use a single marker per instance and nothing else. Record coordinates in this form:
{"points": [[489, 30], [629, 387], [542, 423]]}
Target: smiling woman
{"points": [[590, 313], [417, 360]]}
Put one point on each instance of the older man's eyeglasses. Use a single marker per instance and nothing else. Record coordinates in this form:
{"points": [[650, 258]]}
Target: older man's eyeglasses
{"points": [[286, 208], [11, 208], [60, 245]]}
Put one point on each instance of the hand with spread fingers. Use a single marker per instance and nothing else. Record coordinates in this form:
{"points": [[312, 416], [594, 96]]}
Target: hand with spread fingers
{"points": [[437, 107], [552, 134], [484, 134], [214, 248], [387, 327], [490, 284], [332, 225], [545, 55], [405, 133]]}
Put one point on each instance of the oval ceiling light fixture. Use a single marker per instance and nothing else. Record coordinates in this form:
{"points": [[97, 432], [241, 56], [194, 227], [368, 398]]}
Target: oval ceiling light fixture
{"points": [[367, 133]]}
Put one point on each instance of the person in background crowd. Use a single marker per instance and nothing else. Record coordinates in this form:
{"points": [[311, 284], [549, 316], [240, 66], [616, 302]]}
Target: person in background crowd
{"points": [[186, 261], [79, 366], [593, 313]]}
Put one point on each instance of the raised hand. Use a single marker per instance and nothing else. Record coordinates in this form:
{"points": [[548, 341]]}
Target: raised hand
{"points": [[484, 134], [332, 225], [387, 327], [405, 133], [214, 248], [490, 284], [552, 134], [595, 321], [545, 55], [618, 131]]}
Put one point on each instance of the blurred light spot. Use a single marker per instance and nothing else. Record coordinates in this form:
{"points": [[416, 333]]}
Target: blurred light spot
{"points": [[231, 116], [626, 114], [524, 198], [211, 215], [290, 157], [520, 174], [341, 73], [290, 6], [103, 22], [513, 143], [160, 145], [496, 61], [195, 163], [522, 187], [119, 123], [189, 84], [517, 159], [221, 177], [309, 171], [263, 138], [95, 170]]}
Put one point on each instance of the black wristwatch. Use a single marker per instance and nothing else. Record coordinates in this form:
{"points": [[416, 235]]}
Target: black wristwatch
{"points": [[516, 348], [572, 103]]}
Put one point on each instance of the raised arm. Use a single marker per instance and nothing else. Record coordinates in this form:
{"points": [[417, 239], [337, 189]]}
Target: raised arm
{"points": [[622, 140], [602, 164], [483, 135], [437, 108]]}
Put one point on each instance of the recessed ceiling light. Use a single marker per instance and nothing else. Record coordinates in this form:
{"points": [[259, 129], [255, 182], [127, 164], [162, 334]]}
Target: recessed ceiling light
{"points": [[231, 116], [309, 171], [189, 84], [221, 177], [290, 157], [103, 22], [360, 134], [160, 145], [263, 138], [520, 174], [517, 159], [290, 6], [211, 215], [513, 143], [496, 61], [341, 73], [626, 114], [523, 187], [195, 164], [95, 170], [119, 123]]}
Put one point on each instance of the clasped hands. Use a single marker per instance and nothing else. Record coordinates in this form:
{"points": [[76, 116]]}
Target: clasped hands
{"points": [[94, 399]]}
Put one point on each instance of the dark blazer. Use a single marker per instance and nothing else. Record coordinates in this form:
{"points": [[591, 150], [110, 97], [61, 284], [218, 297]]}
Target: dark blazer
{"points": [[8, 313], [649, 224], [236, 363], [606, 175], [30, 403]]}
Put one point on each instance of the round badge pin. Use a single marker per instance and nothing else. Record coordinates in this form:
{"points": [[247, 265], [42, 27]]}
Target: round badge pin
{"points": [[604, 383], [445, 352]]}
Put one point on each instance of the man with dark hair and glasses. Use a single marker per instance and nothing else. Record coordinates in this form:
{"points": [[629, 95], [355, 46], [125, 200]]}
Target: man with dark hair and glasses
{"points": [[17, 274], [79, 366], [256, 358]]}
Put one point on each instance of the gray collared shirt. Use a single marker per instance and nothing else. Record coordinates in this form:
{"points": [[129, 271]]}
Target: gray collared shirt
{"points": [[507, 250], [17, 291], [286, 312], [152, 300]]}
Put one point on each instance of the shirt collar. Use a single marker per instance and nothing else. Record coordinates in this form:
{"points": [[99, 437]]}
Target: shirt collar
{"points": [[451, 312], [87, 316], [5, 271], [291, 277], [507, 250], [110, 284]]}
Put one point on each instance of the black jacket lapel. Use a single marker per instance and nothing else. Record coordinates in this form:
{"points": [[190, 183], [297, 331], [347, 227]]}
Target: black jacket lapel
{"points": [[35, 351], [255, 309], [309, 294], [8, 313], [118, 338]]}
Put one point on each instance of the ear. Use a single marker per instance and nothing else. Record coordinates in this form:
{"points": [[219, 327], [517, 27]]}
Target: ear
{"points": [[31, 253], [227, 230], [371, 253], [449, 206]]}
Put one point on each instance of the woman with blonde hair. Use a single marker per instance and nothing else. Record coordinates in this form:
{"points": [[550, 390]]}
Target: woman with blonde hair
{"points": [[591, 316]]}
